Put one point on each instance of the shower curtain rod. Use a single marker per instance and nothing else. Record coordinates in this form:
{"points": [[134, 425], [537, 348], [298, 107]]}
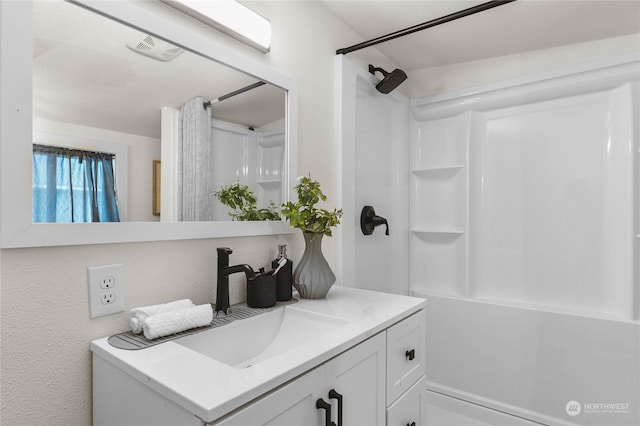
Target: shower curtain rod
{"points": [[443, 19], [234, 93]]}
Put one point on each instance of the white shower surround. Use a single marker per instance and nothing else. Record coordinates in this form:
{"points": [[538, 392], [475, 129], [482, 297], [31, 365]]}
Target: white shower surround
{"points": [[537, 179], [252, 157], [523, 236]]}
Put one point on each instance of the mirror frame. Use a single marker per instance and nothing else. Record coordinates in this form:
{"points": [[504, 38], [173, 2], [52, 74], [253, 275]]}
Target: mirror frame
{"points": [[16, 52]]}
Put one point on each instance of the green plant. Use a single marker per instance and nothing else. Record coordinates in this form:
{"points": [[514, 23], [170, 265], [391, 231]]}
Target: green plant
{"points": [[304, 215], [244, 203]]}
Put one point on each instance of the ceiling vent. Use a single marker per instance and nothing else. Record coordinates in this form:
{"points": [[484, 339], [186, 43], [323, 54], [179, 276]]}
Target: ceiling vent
{"points": [[155, 48]]}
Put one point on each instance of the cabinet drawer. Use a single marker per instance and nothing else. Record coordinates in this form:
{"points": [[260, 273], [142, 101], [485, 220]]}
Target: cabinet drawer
{"points": [[409, 408], [405, 355]]}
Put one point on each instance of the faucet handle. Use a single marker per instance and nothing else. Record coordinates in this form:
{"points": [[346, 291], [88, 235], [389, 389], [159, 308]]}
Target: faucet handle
{"points": [[224, 251]]}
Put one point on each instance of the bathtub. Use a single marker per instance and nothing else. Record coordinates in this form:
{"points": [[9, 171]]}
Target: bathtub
{"points": [[533, 363]]}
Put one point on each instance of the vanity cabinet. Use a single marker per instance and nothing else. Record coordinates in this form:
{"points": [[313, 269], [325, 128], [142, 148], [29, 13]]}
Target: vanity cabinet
{"points": [[357, 377], [369, 372], [388, 370]]}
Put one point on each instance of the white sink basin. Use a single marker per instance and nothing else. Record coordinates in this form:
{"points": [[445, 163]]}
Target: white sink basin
{"points": [[247, 342]]}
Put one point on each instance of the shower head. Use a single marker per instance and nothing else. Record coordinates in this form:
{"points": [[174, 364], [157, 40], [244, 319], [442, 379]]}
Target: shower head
{"points": [[391, 79]]}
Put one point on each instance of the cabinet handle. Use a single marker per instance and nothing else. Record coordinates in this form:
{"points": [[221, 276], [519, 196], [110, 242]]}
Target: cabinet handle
{"points": [[321, 404], [411, 355], [411, 424], [335, 395]]}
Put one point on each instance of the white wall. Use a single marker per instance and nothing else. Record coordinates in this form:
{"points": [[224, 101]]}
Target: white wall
{"points": [[46, 330]]}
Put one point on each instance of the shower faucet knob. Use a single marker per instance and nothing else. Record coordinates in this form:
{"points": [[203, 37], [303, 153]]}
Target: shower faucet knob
{"points": [[369, 220]]}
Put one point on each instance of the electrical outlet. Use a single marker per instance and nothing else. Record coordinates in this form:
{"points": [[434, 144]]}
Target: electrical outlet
{"points": [[106, 290], [107, 282], [108, 297]]}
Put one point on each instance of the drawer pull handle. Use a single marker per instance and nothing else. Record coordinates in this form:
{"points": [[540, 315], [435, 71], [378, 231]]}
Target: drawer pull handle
{"points": [[411, 424], [411, 355], [321, 404], [335, 395]]}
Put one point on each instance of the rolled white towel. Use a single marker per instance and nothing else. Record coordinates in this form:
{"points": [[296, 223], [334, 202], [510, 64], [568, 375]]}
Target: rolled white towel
{"points": [[167, 323], [138, 316]]}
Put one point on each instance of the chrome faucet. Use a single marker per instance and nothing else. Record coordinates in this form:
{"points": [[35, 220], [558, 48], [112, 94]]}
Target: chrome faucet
{"points": [[224, 270]]}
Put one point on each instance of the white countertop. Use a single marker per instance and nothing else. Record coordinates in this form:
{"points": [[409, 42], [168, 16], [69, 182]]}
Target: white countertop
{"points": [[209, 389]]}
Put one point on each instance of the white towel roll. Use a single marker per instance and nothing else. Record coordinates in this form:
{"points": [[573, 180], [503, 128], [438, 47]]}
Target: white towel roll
{"points": [[167, 323], [138, 316]]}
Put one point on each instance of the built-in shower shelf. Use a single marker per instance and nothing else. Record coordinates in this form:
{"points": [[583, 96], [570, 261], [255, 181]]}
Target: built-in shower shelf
{"points": [[270, 182], [274, 141], [420, 291], [438, 205], [438, 231], [431, 171]]}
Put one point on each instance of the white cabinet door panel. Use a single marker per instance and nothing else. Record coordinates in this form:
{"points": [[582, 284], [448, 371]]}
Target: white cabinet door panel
{"points": [[359, 376], [291, 405]]}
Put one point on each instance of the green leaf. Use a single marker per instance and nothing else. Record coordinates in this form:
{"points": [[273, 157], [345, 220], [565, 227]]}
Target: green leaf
{"points": [[304, 215], [243, 202]]}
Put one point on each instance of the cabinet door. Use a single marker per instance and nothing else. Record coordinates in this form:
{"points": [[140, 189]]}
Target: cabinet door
{"points": [[405, 354], [292, 405], [409, 409], [359, 376]]}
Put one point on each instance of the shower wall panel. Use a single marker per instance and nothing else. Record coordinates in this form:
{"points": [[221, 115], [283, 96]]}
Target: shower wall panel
{"points": [[524, 238], [375, 172], [536, 189], [234, 152], [552, 211]]}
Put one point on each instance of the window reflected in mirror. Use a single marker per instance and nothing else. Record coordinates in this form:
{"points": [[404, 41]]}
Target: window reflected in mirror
{"points": [[72, 185]]}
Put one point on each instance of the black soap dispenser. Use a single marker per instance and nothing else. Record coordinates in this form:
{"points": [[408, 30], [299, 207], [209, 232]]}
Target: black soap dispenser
{"points": [[284, 277]]}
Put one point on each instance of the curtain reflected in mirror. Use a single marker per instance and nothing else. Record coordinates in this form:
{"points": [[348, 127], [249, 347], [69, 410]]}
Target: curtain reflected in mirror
{"points": [[71, 185], [194, 176]]}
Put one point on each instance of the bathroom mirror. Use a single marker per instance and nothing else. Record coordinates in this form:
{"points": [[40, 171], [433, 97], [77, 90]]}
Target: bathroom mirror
{"points": [[90, 85]]}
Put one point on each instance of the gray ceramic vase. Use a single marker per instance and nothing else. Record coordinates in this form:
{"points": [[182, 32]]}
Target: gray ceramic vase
{"points": [[313, 276]]}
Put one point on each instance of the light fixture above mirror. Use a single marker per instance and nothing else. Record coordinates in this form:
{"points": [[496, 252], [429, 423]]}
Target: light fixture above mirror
{"points": [[230, 17]]}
